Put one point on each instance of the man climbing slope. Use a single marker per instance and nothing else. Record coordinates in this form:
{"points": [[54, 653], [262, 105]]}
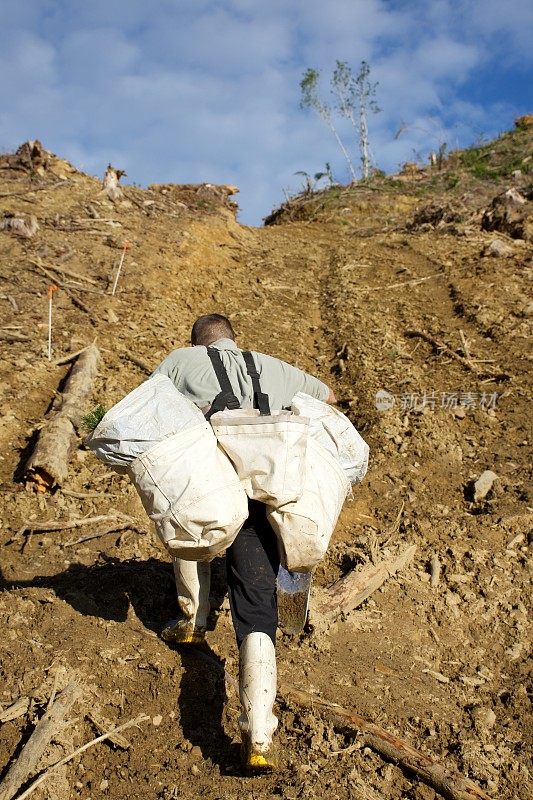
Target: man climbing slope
{"points": [[201, 373]]}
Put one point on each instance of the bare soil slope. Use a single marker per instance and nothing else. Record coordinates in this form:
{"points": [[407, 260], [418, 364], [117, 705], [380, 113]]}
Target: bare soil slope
{"points": [[342, 285]]}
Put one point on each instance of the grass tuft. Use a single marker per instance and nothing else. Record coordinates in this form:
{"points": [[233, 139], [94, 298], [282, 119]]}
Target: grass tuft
{"points": [[93, 418]]}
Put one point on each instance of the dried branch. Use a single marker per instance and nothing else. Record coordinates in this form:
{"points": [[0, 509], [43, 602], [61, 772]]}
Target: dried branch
{"points": [[47, 727], [54, 525], [448, 782], [70, 272], [138, 362], [14, 337], [102, 738]]}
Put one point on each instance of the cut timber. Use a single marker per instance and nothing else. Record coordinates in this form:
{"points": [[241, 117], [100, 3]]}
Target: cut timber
{"points": [[47, 727], [349, 591], [48, 465], [447, 782]]}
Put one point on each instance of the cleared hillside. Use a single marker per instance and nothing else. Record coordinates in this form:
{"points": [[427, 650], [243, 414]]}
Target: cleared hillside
{"points": [[394, 286]]}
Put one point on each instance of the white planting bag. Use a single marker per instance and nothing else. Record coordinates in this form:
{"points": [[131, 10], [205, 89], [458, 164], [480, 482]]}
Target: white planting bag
{"points": [[304, 527], [187, 485], [151, 412], [334, 431], [191, 491], [268, 452]]}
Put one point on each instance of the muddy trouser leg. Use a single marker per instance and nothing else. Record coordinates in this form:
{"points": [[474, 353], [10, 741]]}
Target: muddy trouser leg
{"points": [[252, 564], [192, 585]]}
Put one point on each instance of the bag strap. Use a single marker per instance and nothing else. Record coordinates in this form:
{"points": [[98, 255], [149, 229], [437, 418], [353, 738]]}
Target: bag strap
{"points": [[260, 398], [225, 398]]}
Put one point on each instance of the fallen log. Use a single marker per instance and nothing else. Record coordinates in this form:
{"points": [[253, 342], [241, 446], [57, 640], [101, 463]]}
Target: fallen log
{"points": [[352, 589], [48, 465], [47, 727], [446, 781]]}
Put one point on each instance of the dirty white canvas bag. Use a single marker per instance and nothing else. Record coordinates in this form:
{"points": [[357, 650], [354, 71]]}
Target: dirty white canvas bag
{"points": [[334, 431], [304, 526], [187, 485], [147, 415], [191, 491], [268, 452]]}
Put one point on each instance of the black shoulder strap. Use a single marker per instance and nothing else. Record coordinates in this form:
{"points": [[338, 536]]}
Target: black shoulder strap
{"points": [[260, 399], [225, 398]]}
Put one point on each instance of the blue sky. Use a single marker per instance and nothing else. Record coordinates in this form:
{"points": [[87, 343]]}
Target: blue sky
{"points": [[208, 90]]}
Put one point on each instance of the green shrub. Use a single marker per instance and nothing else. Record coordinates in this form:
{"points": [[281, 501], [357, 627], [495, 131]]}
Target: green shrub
{"points": [[452, 180]]}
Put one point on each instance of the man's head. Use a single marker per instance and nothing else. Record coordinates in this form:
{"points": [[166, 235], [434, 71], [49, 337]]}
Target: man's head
{"points": [[210, 328]]}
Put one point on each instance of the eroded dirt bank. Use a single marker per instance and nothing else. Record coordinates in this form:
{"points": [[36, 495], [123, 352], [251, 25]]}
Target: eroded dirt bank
{"points": [[444, 666]]}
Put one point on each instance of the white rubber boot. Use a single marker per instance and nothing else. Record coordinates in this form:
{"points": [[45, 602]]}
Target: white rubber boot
{"points": [[257, 691], [193, 580]]}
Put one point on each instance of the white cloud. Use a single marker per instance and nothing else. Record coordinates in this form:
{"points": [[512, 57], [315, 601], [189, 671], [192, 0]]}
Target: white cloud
{"points": [[180, 91]]}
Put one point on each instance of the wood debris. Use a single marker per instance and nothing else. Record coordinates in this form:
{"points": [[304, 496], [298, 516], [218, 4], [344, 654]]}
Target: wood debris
{"points": [[48, 464], [47, 727], [447, 781], [352, 589]]}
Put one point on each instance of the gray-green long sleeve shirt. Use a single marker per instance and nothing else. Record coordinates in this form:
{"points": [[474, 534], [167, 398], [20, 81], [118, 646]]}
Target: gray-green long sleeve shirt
{"points": [[193, 375]]}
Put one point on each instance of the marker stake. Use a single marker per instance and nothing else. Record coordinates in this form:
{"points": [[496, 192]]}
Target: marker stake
{"points": [[126, 247], [51, 289]]}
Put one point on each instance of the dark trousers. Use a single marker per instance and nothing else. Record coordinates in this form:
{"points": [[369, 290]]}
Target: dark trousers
{"points": [[252, 564]]}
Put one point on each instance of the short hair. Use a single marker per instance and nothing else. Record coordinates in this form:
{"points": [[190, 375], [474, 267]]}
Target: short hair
{"points": [[211, 327]]}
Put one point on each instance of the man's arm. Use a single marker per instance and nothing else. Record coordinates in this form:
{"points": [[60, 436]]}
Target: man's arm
{"points": [[295, 380], [331, 399]]}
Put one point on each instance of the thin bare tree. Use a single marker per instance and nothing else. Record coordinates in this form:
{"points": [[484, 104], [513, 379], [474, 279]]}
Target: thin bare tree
{"points": [[311, 99]]}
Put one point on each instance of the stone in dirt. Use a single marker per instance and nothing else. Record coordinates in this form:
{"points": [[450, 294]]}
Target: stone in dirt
{"points": [[483, 485], [498, 249]]}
